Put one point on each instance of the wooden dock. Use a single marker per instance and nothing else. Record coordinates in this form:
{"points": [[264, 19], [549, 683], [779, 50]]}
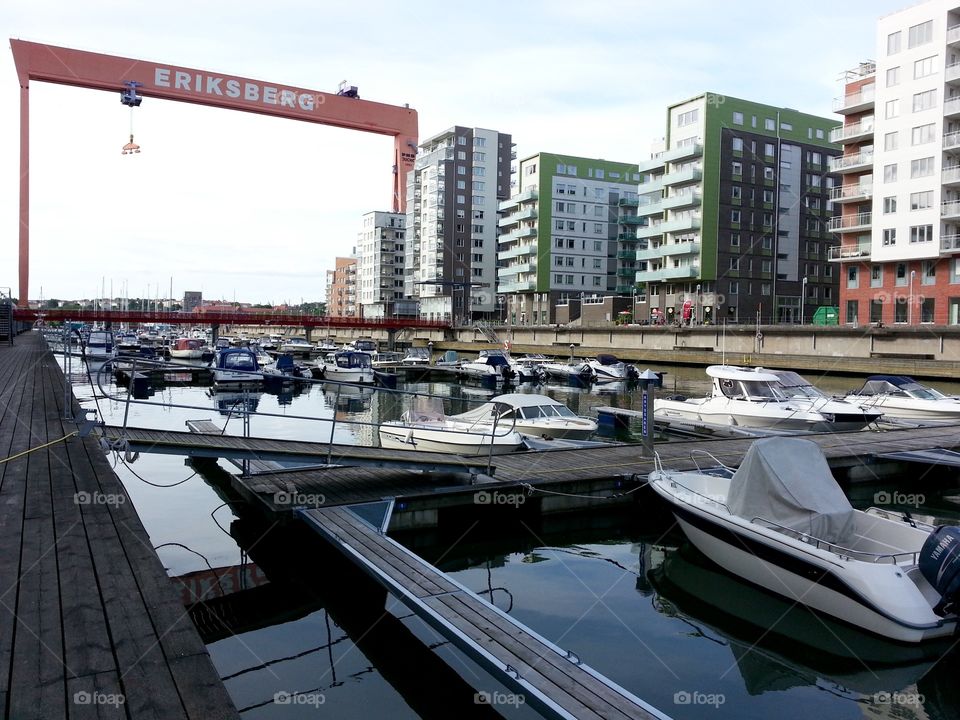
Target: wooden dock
{"points": [[555, 682], [90, 624]]}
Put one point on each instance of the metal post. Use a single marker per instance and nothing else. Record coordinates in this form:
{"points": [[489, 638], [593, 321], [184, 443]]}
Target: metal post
{"points": [[130, 380], [333, 427], [67, 370], [246, 425], [803, 298], [913, 274], [493, 434], [647, 421]]}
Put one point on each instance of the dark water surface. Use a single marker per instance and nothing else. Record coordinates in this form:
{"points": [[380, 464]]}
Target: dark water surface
{"points": [[296, 632]]}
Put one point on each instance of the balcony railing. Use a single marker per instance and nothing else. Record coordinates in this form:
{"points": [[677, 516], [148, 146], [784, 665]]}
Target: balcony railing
{"points": [[846, 223], [950, 175], [849, 163], [854, 102], [848, 252], [953, 34], [952, 72], [951, 139], [950, 208], [848, 193], [950, 243], [951, 107], [853, 130]]}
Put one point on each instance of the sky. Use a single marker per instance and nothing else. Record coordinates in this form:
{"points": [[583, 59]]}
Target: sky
{"points": [[251, 208]]}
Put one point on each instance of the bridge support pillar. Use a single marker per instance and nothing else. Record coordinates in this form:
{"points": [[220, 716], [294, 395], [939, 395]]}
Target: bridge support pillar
{"points": [[214, 333], [308, 333], [391, 340]]}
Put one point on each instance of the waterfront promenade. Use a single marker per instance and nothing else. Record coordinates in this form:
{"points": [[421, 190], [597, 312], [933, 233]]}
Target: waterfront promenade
{"points": [[90, 624]]}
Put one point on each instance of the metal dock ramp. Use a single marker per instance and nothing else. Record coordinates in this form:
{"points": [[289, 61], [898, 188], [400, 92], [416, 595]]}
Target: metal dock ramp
{"points": [[550, 679]]}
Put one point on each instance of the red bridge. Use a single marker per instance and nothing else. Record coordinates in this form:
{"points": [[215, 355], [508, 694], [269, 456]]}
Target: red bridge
{"points": [[103, 317]]}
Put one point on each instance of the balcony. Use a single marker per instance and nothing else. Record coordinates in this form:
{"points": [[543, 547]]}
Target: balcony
{"points": [[950, 209], [512, 270], [951, 140], [668, 249], [655, 185], [855, 102], [850, 223], [515, 218], [627, 236], [526, 232], [526, 196], [953, 35], [951, 74], [519, 251], [507, 237], [951, 107], [627, 254], [654, 208], [682, 176], [519, 286], [855, 162], [950, 243], [631, 220], [653, 163], [672, 273], [684, 152], [852, 132], [841, 253], [690, 199], [851, 193], [950, 175], [626, 272], [628, 202], [682, 224]]}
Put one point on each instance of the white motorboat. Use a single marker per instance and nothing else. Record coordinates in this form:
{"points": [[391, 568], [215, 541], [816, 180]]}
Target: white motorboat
{"points": [[284, 370], [569, 370], [489, 365], [186, 349], [416, 356], [425, 427], [782, 522], [900, 396], [608, 367], [742, 397], [99, 346], [236, 365], [348, 366], [297, 345], [530, 414], [840, 415]]}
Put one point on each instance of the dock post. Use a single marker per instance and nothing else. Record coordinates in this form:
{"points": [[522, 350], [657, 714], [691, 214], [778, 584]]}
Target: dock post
{"points": [[648, 380]]}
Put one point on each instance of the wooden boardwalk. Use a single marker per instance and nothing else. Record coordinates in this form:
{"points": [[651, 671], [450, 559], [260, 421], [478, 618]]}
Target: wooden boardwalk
{"points": [[557, 683], [90, 624]]}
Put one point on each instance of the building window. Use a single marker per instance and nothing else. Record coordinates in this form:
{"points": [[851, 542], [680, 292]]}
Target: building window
{"points": [[890, 140], [736, 169], [876, 276], [853, 281], [893, 43], [738, 118], [461, 199], [891, 109], [786, 126], [900, 275], [769, 124], [889, 205], [734, 287], [921, 167], [688, 118], [924, 100], [890, 173], [461, 140], [736, 192], [900, 309], [734, 216], [889, 236], [558, 279], [920, 34], [955, 271], [928, 275], [923, 134], [921, 233], [893, 76], [926, 310], [924, 67], [737, 144], [876, 310], [734, 239], [921, 200], [768, 149], [852, 311], [768, 173], [735, 263]]}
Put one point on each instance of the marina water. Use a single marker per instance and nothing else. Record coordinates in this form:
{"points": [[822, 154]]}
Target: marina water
{"points": [[621, 589]]}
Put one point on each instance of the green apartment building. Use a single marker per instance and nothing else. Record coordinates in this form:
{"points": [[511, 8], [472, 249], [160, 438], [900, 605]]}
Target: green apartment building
{"points": [[732, 215], [559, 234]]}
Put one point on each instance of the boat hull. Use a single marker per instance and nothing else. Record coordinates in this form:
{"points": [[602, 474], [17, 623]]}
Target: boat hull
{"points": [[414, 438], [733, 412], [352, 375], [807, 579]]}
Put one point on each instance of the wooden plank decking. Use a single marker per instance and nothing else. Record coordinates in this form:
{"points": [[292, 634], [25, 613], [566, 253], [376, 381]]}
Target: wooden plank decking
{"points": [[88, 615], [557, 683]]}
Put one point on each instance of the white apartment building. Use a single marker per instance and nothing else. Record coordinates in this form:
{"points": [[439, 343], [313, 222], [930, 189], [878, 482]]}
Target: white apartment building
{"points": [[380, 258], [900, 226]]}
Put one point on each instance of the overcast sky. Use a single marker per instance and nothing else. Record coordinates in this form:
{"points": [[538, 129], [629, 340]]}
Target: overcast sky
{"points": [[254, 208]]}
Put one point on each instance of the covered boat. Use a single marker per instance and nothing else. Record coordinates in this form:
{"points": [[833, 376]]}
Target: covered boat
{"points": [[185, 348], [782, 522], [236, 365]]}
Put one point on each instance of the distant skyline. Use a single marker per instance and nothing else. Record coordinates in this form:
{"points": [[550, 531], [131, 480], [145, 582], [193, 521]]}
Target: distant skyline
{"points": [[256, 208]]}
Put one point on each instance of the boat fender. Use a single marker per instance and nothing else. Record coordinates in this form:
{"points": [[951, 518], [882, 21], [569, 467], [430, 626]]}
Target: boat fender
{"points": [[940, 565], [678, 398]]}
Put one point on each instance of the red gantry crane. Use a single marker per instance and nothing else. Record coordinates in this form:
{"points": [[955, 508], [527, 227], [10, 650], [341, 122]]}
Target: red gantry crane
{"points": [[65, 66]]}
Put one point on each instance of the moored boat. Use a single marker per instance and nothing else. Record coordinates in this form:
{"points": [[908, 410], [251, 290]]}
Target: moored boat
{"points": [[781, 522], [348, 366], [530, 414], [608, 367], [186, 349], [236, 365], [900, 396]]}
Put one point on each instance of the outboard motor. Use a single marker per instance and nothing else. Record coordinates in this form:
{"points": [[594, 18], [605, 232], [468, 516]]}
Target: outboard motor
{"points": [[632, 372], [940, 565], [507, 372]]}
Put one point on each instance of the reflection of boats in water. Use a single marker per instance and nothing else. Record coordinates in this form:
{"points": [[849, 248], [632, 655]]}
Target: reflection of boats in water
{"points": [[777, 644], [233, 401], [348, 398]]}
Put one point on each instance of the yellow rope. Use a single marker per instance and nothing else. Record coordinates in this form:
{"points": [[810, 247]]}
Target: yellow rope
{"points": [[40, 447]]}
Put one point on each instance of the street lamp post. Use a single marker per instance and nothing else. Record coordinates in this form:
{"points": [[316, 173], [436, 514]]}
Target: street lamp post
{"points": [[696, 306], [803, 298], [913, 274]]}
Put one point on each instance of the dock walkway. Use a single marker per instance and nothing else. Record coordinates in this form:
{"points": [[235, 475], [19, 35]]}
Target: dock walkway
{"points": [[554, 681], [90, 623]]}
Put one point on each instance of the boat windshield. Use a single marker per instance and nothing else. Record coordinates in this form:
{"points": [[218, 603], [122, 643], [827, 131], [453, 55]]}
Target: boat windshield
{"points": [[920, 392], [354, 360], [793, 385], [240, 361], [758, 390]]}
